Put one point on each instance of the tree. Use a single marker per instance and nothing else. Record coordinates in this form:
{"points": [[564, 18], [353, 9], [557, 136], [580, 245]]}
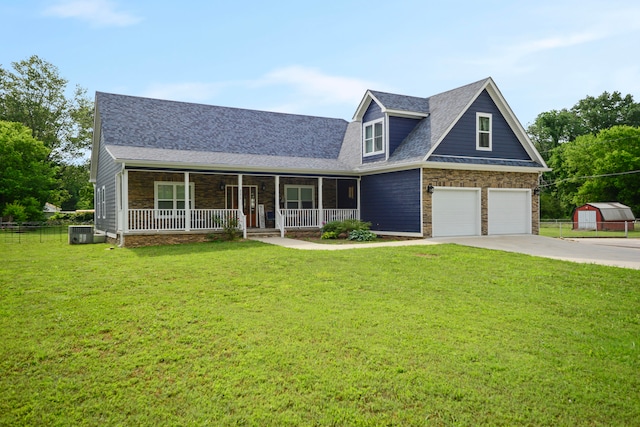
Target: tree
{"points": [[601, 168], [26, 177], [553, 128], [606, 111], [34, 94]]}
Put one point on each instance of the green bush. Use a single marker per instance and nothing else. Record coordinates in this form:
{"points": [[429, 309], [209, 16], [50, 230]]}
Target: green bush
{"points": [[15, 212], [337, 228], [362, 235], [330, 235]]}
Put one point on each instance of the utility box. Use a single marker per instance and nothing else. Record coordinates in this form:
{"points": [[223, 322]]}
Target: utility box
{"points": [[80, 234]]}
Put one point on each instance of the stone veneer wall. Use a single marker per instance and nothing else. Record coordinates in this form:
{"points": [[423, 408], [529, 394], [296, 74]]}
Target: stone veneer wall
{"points": [[483, 180]]}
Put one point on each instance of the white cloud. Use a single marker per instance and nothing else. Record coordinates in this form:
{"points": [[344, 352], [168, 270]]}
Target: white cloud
{"points": [[316, 86], [97, 12], [309, 87], [293, 90]]}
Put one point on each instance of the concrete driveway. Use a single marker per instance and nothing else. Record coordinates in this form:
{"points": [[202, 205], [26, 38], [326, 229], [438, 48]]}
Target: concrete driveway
{"points": [[605, 251]]}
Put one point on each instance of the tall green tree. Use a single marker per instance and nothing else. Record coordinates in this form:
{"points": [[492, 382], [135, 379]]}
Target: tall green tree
{"points": [[603, 167], [26, 176], [35, 94], [606, 111]]}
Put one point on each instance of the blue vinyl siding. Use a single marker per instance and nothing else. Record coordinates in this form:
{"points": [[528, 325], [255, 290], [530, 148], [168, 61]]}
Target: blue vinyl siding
{"points": [[377, 158], [391, 201], [399, 129], [461, 140], [374, 112]]}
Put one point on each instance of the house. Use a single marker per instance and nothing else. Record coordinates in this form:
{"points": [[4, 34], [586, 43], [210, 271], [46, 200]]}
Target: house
{"points": [[610, 216], [50, 210], [456, 163]]}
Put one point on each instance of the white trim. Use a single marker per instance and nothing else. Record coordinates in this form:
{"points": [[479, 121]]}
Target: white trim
{"points": [[103, 208], [406, 114], [480, 115], [372, 123], [528, 194], [477, 218], [175, 184], [313, 196]]}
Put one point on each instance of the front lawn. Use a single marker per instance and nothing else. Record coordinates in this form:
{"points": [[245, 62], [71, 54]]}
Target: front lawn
{"points": [[250, 334]]}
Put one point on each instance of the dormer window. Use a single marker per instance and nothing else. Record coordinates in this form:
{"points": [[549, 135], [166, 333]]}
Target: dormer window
{"points": [[373, 138], [483, 131]]}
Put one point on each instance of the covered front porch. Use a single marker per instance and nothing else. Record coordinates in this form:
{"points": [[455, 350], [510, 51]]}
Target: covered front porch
{"points": [[156, 201]]}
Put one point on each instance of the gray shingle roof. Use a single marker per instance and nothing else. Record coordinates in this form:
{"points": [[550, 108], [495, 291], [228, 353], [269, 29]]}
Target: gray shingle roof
{"points": [[153, 123], [158, 131], [392, 101]]}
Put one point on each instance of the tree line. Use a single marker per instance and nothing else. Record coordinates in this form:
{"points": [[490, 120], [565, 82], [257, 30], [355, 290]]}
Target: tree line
{"points": [[46, 130], [594, 151], [45, 136]]}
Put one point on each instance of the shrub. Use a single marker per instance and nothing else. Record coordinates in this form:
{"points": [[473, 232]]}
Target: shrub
{"points": [[15, 212], [361, 235], [330, 235], [229, 224], [337, 228]]}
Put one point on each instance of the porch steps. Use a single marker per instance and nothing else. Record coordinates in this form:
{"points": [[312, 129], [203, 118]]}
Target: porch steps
{"points": [[262, 232]]}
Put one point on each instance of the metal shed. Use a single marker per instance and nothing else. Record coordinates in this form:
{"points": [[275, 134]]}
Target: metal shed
{"points": [[606, 216]]}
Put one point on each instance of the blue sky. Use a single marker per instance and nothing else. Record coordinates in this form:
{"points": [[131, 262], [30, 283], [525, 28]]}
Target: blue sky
{"points": [[318, 58]]}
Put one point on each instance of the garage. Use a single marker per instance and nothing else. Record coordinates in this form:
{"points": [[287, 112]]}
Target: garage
{"points": [[509, 211], [455, 212]]}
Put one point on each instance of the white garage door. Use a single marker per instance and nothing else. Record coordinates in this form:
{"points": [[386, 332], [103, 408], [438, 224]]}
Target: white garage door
{"points": [[456, 212], [509, 211]]}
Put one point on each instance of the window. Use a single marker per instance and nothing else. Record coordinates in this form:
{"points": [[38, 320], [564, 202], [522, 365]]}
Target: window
{"points": [[483, 131], [104, 204], [299, 197], [170, 195], [97, 203], [373, 138]]}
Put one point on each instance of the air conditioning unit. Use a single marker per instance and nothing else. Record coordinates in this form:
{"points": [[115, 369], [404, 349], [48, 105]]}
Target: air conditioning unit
{"points": [[80, 234]]}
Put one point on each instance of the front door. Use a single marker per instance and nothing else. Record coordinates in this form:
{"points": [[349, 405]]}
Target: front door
{"points": [[249, 202]]}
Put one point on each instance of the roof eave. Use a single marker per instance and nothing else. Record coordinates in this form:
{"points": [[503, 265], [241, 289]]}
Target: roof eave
{"points": [[133, 163]]}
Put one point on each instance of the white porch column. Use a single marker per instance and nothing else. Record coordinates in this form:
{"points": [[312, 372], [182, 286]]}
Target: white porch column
{"points": [[320, 210], [277, 196], [187, 203], [277, 213], [241, 207], [125, 200]]}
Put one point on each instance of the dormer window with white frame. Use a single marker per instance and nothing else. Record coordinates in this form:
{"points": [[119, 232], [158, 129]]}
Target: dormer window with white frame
{"points": [[373, 138], [484, 131]]}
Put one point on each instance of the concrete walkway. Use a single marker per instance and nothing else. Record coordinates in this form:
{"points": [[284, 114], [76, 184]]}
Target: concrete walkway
{"points": [[613, 252]]}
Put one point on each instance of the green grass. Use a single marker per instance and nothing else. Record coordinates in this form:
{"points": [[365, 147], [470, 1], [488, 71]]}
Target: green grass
{"points": [[249, 334], [565, 230]]}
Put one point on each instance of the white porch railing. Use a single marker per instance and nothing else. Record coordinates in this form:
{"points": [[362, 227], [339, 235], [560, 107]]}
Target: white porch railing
{"points": [[339, 215], [216, 219], [311, 218], [173, 219]]}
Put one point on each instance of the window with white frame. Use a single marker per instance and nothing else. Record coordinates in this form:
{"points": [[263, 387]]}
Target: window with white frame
{"points": [[170, 195], [483, 131], [299, 197], [96, 202], [104, 203], [373, 138]]}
